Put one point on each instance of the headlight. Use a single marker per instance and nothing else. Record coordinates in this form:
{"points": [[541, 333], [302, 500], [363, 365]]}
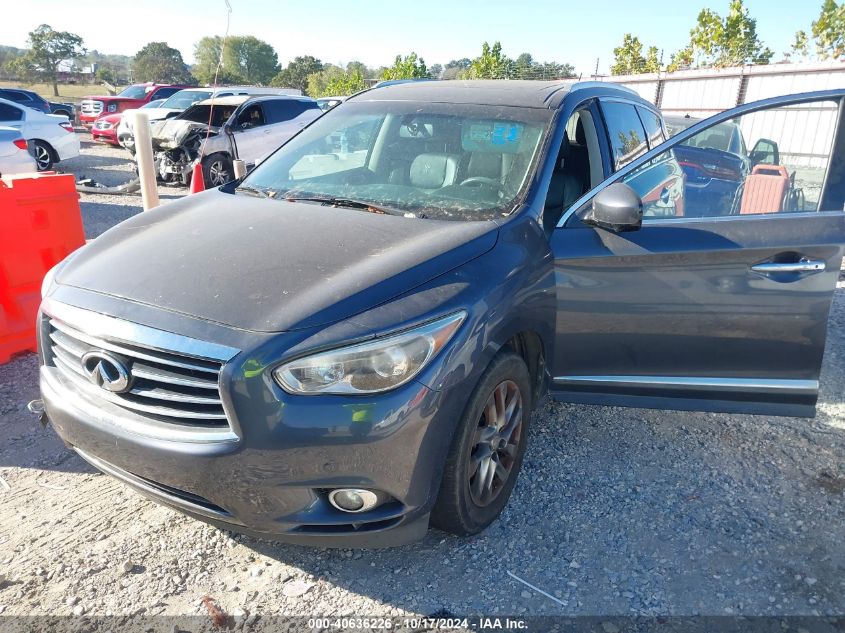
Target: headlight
{"points": [[371, 367], [112, 107]]}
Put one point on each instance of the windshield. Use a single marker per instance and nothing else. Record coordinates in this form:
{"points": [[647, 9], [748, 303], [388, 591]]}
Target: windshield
{"points": [[724, 136], [200, 114], [137, 91], [435, 160], [186, 98], [152, 104]]}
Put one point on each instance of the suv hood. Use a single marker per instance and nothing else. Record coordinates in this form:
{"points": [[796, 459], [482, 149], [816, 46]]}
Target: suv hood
{"points": [[111, 99], [268, 265], [171, 133]]}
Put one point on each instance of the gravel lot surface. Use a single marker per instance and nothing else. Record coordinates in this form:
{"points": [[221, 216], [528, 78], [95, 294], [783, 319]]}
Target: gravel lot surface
{"points": [[617, 511]]}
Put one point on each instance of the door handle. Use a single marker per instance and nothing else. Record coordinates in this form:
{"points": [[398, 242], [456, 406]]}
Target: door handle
{"points": [[803, 265]]}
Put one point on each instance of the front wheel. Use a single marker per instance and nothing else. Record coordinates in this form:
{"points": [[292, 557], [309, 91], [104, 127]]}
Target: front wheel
{"points": [[217, 170], [487, 451]]}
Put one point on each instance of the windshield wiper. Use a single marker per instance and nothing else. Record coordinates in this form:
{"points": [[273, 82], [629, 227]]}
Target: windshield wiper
{"points": [[256, 191], [351, 203]]}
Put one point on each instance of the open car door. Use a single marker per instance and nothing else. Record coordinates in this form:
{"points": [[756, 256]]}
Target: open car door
{"points": [[715, 296]]}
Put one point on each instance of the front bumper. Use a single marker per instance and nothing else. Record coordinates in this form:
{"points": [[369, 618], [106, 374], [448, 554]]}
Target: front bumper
{"points": [[270, 477], [105, 136]]}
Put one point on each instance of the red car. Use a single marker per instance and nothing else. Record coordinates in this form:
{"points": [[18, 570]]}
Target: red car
{"points": [[105, 129], [133, 96]]}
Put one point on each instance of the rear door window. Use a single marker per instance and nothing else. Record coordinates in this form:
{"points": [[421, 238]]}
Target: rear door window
{"points": [[281, 110], [10, 113], [625, 131], [653, 127]]}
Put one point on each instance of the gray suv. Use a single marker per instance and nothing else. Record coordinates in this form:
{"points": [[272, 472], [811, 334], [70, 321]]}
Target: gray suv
{"points": [[345, 346]]}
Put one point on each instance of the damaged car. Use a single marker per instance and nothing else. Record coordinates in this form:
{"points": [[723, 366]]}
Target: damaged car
{"points": [[220, 130]]}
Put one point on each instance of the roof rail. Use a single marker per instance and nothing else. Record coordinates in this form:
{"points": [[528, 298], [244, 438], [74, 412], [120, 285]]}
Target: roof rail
{"points": [[581, 85]]}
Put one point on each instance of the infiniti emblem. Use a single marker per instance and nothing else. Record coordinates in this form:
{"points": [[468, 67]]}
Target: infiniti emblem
{"points": [[106, 371]]}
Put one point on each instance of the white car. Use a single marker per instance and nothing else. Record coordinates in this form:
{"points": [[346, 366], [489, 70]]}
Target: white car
{"points": [[50, 137], [14, 157], [242, 127], [184, 99]]}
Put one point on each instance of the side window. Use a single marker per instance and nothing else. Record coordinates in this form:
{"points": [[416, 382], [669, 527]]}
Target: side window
{"points": [[163, 93], [281, 110], [627, 136], [711, 174], [10, 113], [653, 127], [251, 116]]}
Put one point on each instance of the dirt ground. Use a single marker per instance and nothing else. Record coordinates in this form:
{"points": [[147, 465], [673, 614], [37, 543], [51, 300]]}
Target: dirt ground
{"points": [[617, 512]]}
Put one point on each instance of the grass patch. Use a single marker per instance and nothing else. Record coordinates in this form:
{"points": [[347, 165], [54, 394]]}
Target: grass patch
{"points": [[67, 92]]}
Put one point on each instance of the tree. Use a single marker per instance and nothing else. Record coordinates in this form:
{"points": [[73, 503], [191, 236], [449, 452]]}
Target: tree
{"points": [[253, 60], [435, 71], [801, 44], [335, 81], [455, 67], [408, 67], [245, 59], [345, 83], [491, 64], [829, 30], [47, 48], [629, 58], [729, 41], [160, 63], [681, 60], [297, 72]]}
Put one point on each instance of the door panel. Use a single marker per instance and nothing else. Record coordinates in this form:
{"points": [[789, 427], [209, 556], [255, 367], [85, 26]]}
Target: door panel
{"points": [[724, 310]]}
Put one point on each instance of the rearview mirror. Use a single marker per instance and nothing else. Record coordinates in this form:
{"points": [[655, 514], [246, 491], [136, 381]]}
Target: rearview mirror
{"points": [[616, 208]]}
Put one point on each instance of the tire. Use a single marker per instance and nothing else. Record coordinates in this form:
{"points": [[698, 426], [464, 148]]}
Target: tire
{"points": [[465, 505], [217, 170], [43, 155]]}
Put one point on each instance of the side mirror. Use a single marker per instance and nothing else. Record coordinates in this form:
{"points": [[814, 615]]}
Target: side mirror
{"points": [[616, 208], [765, 152]]}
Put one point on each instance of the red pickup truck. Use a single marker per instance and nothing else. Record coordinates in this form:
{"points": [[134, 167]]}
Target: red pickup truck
{"points": [[133, 96]]}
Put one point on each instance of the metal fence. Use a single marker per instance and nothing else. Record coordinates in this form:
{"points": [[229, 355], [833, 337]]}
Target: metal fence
{"points": [[704, 92]]}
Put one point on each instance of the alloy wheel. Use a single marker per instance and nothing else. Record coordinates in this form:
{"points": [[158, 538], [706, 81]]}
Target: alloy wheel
{"points": [[495, 443], [217, 173], [42, 157]]}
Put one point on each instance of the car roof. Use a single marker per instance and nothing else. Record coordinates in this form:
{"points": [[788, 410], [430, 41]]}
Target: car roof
{"points": [[239, 99], [31, 93], [512, 92]]}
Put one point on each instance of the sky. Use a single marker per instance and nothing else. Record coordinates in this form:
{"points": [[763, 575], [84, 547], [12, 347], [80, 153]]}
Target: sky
{"points": [[375, 31]]}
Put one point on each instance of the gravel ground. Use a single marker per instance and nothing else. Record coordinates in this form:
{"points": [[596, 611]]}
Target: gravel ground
{"points": [[617, 512]]}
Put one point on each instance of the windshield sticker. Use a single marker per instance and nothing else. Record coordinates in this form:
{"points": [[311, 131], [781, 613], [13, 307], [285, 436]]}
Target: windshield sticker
{"points": [[492, 136]]}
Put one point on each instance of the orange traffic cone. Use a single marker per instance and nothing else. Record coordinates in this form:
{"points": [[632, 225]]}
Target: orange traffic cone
{"points": [[197, 182]]}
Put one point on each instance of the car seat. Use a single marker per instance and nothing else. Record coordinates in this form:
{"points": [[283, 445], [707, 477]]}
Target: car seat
{"points": [[433, 171], [765, 190]]}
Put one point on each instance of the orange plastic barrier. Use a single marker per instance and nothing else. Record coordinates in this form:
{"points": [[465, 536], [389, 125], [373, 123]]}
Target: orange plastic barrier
{"points": [[40, 224]]}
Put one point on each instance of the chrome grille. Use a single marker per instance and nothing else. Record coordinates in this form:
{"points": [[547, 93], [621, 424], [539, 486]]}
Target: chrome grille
{"points": [[166, 386], [91, 106]]}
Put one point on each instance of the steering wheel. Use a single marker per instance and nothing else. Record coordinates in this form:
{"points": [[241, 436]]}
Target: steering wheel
{"points": [[477, 181]]}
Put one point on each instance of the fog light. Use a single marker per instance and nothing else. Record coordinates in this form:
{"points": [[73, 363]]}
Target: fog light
{"points": [[353, 499]]}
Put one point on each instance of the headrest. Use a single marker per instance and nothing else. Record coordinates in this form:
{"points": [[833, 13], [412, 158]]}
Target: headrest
{"points": [[486, 165], [433, 171], [580, 135]]}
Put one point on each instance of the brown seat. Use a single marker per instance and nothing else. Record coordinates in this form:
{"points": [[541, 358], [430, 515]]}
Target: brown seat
{"points": [[765, 190]]}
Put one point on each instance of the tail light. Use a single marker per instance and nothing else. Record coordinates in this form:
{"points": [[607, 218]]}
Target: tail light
{"points": [[20, 143], [66, 126]]}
